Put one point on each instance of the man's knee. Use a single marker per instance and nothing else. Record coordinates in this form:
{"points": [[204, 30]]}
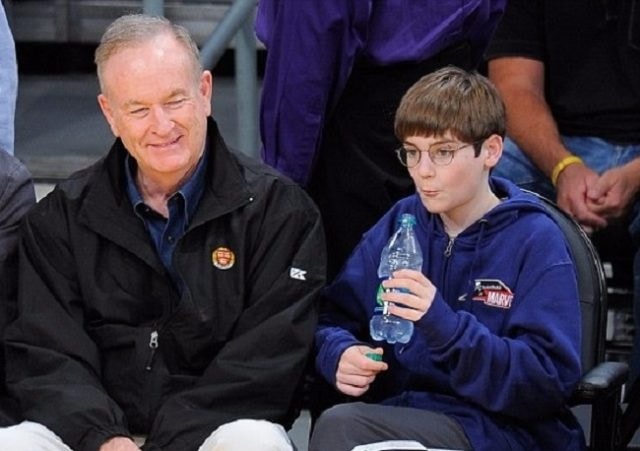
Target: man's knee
{"points": [[29, 436], [248, 435]]}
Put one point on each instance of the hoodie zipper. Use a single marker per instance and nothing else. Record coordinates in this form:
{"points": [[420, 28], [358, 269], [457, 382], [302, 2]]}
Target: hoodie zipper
{"points": [[449, 248], [153, 346]]}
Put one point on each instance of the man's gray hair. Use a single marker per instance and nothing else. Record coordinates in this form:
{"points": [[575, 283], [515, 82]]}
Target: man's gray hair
{"points": [[133, 29]]}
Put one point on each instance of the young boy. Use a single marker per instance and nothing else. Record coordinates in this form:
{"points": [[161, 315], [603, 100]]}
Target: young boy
{"points": [[496, 348]]}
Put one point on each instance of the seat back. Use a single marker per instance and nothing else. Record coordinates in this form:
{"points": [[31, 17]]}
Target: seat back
{"points": [[591, 285], [601, 383]]}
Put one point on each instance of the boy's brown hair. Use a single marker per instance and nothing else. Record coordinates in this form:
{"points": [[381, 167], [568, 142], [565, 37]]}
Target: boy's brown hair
{"points": [[465, 104]]}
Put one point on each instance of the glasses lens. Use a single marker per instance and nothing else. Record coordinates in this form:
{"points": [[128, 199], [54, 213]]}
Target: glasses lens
{"points": [[439, 154], [442, 155], [411, 157]]}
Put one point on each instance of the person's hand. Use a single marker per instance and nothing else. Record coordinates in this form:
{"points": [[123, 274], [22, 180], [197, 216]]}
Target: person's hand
{"points": [[119, 444], [411, 305], [573, 184], [613, 192], [356, 372]]}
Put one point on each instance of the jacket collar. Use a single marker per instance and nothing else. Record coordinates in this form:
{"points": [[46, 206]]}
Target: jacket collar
{"points": [[226, 187]]}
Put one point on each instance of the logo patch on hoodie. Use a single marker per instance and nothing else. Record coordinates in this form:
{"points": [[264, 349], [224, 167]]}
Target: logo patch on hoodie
{"points": [[493, 293]]}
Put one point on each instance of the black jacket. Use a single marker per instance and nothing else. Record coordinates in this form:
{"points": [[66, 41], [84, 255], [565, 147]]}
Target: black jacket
{"points": [[93, 293], [16, 197]]}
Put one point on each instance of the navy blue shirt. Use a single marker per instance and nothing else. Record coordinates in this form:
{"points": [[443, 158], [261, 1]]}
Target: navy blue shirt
{"points": [[166, 232]]}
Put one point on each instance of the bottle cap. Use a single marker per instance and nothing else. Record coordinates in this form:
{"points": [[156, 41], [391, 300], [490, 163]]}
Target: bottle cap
{"points": [[374, 356], [407, 219]]}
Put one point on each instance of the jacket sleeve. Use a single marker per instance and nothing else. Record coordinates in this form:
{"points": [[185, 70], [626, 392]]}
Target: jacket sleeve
{"points": [[16, 197], [54, 368], [257, 372], [525, 367], [311, 49]]}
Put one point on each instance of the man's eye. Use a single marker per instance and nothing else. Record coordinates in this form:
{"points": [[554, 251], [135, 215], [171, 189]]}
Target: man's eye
{"points": [[176, 103], [139, 112]]}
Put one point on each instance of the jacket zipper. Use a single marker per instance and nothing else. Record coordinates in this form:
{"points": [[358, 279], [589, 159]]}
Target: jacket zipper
{"points": [[449, 248], [153, 346]]}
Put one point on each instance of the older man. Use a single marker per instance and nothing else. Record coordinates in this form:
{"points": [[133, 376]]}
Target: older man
{"points": [[169, 290]]}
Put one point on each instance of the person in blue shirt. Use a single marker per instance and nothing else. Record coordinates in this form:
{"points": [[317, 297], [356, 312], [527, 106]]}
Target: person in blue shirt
{"points": [[8, 84], [495, 353], [335, 72]]}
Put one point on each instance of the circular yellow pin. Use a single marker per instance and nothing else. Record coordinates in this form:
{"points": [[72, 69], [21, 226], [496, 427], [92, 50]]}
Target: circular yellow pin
{"points": [[223, 258]]}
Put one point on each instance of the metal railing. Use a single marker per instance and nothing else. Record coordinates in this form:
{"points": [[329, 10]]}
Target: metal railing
{"points": [[237, 23], [153, 7]]}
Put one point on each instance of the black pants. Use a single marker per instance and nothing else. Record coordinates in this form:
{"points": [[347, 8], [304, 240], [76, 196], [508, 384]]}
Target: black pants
{"points": [[356, 177], [346, 426]]}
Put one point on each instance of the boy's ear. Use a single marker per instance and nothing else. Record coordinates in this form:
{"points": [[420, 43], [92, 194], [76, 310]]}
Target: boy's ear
{"points": [[493, 145]]}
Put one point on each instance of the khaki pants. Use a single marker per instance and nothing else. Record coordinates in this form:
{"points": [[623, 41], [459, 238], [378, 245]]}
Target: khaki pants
{"points": [[240, 435]]}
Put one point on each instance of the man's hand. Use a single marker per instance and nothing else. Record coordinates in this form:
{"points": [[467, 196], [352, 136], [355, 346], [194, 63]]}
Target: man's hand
{"points": [[573, 185], [356, 372], [119, 444], [613, 192], [417, 297]]}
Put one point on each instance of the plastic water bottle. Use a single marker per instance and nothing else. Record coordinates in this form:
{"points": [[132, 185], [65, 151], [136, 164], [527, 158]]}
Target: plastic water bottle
{"points": [[401, 252]]}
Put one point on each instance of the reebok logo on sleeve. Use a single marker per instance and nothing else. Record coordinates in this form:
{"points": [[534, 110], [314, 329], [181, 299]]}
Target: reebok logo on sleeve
{"points": [[297, 273]]}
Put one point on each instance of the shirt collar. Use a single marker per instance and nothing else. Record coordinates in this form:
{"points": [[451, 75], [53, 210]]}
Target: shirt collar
{"points": [[191, 190]]}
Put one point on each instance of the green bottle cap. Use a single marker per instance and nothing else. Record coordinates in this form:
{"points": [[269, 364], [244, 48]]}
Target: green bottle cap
{"points": [[374, 356]]}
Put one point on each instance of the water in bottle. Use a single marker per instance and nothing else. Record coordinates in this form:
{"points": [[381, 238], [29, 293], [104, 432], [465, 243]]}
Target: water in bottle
{"points": [[401, 252]]}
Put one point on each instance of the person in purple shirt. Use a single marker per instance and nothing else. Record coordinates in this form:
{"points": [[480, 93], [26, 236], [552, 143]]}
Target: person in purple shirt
{"points": [[334, 76]]}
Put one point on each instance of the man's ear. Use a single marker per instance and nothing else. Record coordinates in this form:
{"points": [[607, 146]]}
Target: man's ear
{"points": [[206, 89], [108, 113], [493, 145]]}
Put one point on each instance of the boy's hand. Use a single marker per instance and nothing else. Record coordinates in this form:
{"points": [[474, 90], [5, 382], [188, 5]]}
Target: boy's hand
{"points": [[356, 372], [411, 305]]}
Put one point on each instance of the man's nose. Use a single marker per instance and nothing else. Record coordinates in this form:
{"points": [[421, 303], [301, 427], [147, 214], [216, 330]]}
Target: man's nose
{"points": [[162, 120]]}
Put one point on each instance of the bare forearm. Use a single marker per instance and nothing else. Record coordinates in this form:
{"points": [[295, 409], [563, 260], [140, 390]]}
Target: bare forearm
{"points": [[529, 120], [531, 125]]}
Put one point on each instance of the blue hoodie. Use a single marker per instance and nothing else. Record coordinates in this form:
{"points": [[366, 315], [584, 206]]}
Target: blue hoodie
{"points": [[499, 348]]}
